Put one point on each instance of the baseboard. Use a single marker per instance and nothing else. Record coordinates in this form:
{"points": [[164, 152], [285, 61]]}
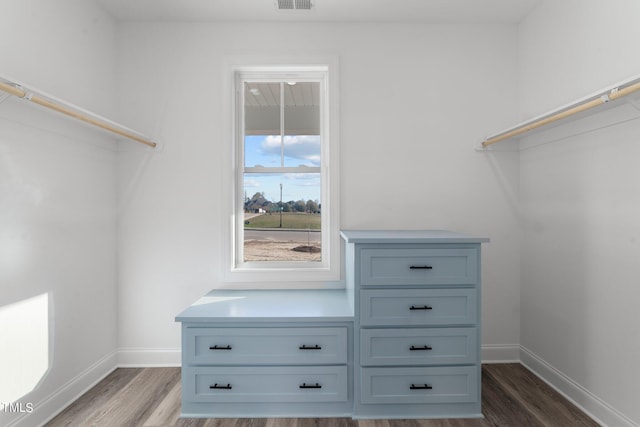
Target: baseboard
{"points": [[53, 404], [68, 393], [139, 357], [595, 407], [500, 353]]}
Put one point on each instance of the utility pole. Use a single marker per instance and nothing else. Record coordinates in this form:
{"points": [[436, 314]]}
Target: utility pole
{"points": [[280, 205]]}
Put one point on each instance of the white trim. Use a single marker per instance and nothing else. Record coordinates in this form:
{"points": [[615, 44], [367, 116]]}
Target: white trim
{"points": [[500, 353], [69, 392], [588, 402], [285, 276], [280, 74], [56, 402], [595, 407], [141, 357]]}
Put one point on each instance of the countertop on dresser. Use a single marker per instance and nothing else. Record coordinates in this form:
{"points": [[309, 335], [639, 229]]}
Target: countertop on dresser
{"points": [[244, 306], [408, 236]]}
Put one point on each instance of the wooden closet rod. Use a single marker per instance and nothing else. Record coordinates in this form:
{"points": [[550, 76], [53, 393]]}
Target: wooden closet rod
{"points": [[611, 95], [20, 92]]}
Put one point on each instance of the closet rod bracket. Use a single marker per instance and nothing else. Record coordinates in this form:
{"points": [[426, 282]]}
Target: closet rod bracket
{"points": [[28, 95]]}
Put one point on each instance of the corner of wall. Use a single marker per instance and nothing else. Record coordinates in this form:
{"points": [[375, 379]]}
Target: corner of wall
{"points": [[50, 406], [588, 402]]}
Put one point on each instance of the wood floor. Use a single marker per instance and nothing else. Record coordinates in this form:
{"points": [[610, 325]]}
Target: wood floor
{"points": [[150, 397]]}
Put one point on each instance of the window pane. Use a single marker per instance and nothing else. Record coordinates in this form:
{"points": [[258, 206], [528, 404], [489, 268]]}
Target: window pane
{"points": [[262, 124], [282, 228], [301, 124]]}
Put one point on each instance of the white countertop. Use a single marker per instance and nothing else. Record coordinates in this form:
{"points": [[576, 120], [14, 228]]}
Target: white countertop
{"points": [[408, 236], [269, 306]]}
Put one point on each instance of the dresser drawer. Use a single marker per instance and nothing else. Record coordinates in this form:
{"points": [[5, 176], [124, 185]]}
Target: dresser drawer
{"points": [[265, 384], [265, 346], [418, 307], [420, 385], [418, 266], [435, 346]]}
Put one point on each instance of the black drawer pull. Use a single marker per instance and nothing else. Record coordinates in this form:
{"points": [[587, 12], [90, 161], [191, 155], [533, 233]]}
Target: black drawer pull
{"points": [[217, 347], [421, 267], [305, 385], [421, 307], [310, 347], [421, 347], [420, 387], [217, 386]]}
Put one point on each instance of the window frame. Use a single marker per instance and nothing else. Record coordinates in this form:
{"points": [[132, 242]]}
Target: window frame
{"points": [[294, 273]]}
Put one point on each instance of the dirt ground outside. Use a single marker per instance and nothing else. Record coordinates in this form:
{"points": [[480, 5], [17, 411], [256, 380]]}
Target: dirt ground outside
{"points": [[268, 250]]}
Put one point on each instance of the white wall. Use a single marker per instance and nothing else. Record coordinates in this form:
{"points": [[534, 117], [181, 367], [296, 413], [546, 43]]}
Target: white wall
{"points": [[57, 205], [581, 203], [414, 100]]}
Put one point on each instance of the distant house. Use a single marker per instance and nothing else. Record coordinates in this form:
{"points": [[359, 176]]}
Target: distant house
{"points": [[257, 205]]}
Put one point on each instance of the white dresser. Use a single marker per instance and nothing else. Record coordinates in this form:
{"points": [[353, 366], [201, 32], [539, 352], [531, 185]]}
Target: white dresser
{"points": [[401, 341], [416, 323]]}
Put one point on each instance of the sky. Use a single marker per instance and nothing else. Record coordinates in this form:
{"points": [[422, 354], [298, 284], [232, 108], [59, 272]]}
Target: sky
{"points": [[298, 150]]}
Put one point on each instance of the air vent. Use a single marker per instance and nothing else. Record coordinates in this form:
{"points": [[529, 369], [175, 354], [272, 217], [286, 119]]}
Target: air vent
{"points": [[294, 5]]}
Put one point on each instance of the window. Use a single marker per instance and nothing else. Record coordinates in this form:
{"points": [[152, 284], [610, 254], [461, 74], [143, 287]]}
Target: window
{"points": [[285, 223]]}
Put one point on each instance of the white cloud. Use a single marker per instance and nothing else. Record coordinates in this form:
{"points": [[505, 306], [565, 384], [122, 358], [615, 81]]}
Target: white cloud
{"points": [[252, 183], [304, 179], [300, 147]]}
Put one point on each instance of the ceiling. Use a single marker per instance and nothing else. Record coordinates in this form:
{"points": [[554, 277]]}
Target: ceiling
{"points": [[407, 11], [301, 94]]}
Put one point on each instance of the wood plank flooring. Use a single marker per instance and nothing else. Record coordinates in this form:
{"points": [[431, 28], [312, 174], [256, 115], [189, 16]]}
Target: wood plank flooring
{"points": [[150, 397]]}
